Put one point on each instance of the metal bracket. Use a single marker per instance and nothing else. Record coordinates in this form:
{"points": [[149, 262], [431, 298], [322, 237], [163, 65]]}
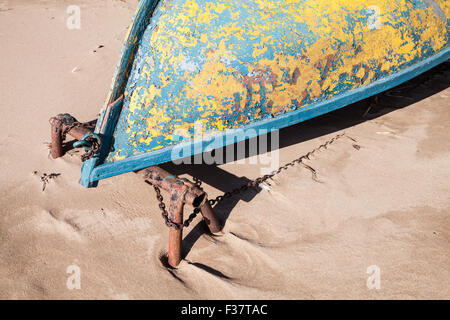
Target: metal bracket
{"points": [[182, 192]]}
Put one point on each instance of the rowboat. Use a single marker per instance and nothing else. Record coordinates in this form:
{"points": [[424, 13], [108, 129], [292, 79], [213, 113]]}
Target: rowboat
{"points": [[198, 75], [235, 65]]}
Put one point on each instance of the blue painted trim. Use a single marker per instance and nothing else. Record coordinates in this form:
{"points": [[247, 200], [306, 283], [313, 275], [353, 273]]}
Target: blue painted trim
{"points": [[106, 135], [164, 155]]}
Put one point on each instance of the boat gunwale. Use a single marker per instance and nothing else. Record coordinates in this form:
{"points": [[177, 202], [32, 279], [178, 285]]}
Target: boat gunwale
{"points": [[121, 75]]}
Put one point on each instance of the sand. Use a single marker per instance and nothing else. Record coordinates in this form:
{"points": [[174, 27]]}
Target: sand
{"points": [[380, 199]]}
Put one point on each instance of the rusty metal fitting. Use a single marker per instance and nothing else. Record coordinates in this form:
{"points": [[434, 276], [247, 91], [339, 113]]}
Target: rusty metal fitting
{"points": [[164, 180], [56, 133], [61, 125]]}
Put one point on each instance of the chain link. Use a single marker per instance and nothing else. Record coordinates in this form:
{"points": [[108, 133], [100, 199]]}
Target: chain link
{"points": [[251, 184]]}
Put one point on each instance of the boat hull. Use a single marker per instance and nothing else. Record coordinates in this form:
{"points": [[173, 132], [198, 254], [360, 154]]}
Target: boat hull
{"points": [[195, 73]]}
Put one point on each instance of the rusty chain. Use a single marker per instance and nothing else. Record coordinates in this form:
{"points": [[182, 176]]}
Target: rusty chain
{"points": [[258, 181], [251, 184]]}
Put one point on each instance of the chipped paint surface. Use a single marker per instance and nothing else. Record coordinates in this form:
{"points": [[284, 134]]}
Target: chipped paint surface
{"points": [[228, 63]]}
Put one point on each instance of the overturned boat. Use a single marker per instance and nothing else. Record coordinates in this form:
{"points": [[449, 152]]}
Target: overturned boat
{"points": [[259, 64], [197, 75]]}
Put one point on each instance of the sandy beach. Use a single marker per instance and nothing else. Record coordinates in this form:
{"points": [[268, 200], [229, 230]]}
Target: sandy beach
{"points": [[380, 197]]}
